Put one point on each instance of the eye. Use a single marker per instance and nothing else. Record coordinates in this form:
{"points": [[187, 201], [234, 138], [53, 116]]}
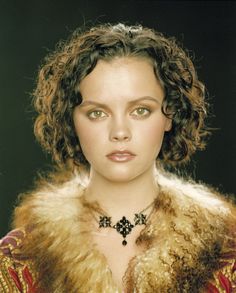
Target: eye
{"points": [[96, 114], [142, 111]]}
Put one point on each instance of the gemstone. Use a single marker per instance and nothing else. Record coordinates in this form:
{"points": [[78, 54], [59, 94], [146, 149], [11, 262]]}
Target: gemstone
{"points": [[124, 227], [104, 222], [140, 219], [124, 242]]}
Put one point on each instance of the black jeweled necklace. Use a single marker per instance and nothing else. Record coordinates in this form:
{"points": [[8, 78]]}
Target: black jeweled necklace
{"points": [[124, 226]]}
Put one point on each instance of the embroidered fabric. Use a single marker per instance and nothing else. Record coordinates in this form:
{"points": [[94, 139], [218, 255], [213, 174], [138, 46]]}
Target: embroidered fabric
{"points": [[225, 278], [17, 274]]}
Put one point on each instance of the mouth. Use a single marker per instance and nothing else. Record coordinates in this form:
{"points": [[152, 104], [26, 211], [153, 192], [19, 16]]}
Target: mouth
{"points": [[121, 156], [123, 152]]}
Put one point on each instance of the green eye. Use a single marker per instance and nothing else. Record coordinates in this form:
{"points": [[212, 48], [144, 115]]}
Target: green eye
{"points": [[141, 111], [95, 114]]}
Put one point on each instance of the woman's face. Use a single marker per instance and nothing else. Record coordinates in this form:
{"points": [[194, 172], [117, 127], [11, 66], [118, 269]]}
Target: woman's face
{"points": [[121, 110]]}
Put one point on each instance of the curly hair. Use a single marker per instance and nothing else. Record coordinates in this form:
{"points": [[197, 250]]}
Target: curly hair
{"points": [[57, 91]]}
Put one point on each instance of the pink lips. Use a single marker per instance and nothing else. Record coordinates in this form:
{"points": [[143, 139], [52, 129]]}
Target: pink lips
{"points": [[121, 156]]}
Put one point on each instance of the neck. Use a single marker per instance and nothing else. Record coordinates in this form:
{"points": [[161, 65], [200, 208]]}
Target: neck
{"points": [[122, 198]]}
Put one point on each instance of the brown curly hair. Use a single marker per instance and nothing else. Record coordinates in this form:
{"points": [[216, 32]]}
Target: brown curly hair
{"points": [[57, 91]]}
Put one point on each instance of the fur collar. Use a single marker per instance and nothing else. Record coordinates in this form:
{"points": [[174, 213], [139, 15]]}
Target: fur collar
{"points": [[184, 239]]}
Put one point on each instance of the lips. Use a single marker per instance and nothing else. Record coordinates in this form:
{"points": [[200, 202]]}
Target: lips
{"points": [[121, 156], [124, 152]]}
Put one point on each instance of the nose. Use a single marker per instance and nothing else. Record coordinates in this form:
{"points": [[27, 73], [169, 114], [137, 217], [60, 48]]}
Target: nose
{"points": [[120, 131]]}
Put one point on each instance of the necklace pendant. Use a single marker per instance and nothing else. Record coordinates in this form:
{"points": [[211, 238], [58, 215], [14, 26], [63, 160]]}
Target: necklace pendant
{"points": [[124, 227]]}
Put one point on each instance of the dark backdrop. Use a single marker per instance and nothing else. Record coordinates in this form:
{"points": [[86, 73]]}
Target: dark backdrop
{"points": [[28, 29]]}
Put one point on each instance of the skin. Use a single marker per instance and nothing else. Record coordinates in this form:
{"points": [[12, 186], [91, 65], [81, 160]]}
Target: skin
{"points": [[121, 189]]}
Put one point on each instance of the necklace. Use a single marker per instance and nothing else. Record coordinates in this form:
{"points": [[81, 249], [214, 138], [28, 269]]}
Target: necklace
{"points": [[124, 226]]}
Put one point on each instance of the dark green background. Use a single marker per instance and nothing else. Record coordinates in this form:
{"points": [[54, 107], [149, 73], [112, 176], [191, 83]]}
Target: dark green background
{"points": [[28, 29]]}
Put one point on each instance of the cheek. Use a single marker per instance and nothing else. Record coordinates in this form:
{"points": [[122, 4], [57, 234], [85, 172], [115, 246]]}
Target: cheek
{"points": [[86, 136], [154, 133], [89, 136]]}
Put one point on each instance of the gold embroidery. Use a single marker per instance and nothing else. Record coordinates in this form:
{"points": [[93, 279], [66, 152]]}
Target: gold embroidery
{"points": [[7, 283]]}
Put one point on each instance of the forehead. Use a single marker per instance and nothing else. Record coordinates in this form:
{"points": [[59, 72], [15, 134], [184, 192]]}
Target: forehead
{"points": [[121, 79]]}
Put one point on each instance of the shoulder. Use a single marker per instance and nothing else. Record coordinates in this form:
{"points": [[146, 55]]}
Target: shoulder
{"points": [[187, 192], [197, 205], [214, 214], [16, 273], [55, 197]]}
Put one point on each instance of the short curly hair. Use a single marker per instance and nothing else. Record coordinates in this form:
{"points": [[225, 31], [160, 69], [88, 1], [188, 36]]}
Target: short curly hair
{"points": [[57, 91]]}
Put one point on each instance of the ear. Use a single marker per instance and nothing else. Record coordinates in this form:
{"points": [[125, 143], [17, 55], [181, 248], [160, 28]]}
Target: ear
{"points": [[168, 125]]}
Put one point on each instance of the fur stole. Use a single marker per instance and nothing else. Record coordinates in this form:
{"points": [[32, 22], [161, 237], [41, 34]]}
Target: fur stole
{"points": [[184, 238]]}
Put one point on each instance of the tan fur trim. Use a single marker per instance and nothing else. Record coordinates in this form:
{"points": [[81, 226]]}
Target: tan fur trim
{"points": [[184, 239]]}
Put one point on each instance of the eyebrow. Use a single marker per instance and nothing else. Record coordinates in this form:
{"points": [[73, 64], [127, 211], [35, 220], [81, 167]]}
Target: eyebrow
{"points": [[85, 103]]}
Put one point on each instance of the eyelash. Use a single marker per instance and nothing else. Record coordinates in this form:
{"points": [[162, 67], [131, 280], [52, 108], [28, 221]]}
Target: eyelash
{"points": [[145, 115]]}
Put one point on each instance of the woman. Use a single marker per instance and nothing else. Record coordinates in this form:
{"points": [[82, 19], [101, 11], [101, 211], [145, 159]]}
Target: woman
{"points": [[118, 104]]}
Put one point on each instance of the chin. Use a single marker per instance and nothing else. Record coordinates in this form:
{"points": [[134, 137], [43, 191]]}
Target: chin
{"points": [[122, 175], [121, 172], [119, 179]]}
